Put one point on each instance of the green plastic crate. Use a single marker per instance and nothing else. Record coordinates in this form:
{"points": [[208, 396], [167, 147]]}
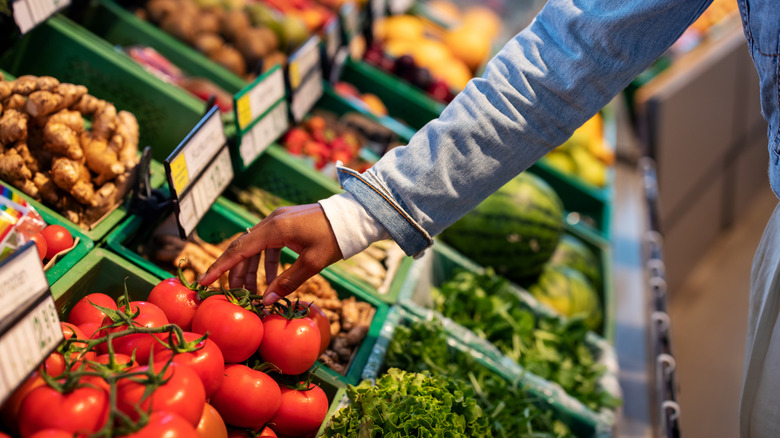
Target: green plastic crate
{"points": [[83, 245], [582, 421], [71, 54], [220, 223]]}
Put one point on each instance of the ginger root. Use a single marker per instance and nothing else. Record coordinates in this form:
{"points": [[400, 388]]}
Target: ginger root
{"points": [[46, 187], [104, 121], [12, 167], [13, 126], [72, 119], [15, 102], [60, 139], [73, 177], [127, 129], [25, 85], [100, 158]]}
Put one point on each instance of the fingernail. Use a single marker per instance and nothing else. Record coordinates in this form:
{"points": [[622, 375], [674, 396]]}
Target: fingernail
{"points": [[270, 298]]}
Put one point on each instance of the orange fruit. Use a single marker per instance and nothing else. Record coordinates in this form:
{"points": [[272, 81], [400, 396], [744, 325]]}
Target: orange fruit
{"points": [[469, 45]]}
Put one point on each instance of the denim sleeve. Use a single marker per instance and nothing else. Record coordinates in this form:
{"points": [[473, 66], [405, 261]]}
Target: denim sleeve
{"points": [[573, 58]]}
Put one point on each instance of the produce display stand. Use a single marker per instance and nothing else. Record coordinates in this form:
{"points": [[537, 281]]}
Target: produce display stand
{"points": [[220, 223], [165, 114]]}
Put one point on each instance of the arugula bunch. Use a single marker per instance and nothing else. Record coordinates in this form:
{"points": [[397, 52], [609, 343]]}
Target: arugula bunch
{"points": [[404, 404], [547, 346], [422, 345]]}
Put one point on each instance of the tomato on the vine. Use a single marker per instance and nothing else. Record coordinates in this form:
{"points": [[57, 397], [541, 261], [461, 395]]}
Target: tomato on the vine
{"points": [[301, 412], [165, 424], [82, 410], [182, 393], [236, 331], [293, 345], [247, 398], [211, 424], [9, 412], [58, 239], [317, 315], [142, 343], [51, 433], [207, 361], [121, 361], [83, 311], [177, 301]]}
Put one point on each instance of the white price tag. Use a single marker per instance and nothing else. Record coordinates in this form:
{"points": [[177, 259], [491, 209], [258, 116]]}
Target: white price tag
{"points": [[30, 13], [263, 133], [196, 151], [203, 192], [304, 63], [332, 38], [22, 281], [259, 97], [305, 97], [27, 343]]}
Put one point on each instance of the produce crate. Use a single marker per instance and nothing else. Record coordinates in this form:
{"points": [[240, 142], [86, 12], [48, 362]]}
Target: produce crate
{"points": [[106, 272], [83, 243], [218, 224], [71, 54], [582, 421]]}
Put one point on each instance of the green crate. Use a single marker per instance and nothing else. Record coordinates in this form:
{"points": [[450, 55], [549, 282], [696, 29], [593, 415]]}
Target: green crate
{"points": [[83, 243], [582, 421], [118, 26], [165, 113], [220, 223]]}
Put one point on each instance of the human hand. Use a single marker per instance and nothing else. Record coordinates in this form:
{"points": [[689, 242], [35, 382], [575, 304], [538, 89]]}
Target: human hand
{"points": [[304, 229]]}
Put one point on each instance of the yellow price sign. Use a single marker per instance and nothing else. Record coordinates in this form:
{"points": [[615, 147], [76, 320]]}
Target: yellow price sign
{"points": [[244, 111], [179, 173], [295, 75]]}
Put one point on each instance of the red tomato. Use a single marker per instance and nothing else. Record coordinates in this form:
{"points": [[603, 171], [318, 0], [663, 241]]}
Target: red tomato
{"points": [[165, 424], [292, 345], [58, 239], [247, 398], [70, 331], [9, 413], [267, 432], [323, 324], [141, 343], [182, 394], [301, 411], [236, 331], [207, 361], [54, 365], [211, 424], [51, 433], [177, 301], [84, 312], [40, 242], [4, 435], [83, 410]]}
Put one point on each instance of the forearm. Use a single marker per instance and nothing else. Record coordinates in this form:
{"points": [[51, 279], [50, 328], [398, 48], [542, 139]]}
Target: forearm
{"points": [[553, 76]]}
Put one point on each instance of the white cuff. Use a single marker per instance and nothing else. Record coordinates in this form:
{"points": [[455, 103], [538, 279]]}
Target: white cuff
{"points": [[355, 229]]}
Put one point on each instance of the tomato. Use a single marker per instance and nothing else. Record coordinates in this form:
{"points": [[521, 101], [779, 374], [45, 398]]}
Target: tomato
{"points": [[247, 398], [82, 410], [211, 424], [292, 345], [267, 432], [121, 361], [236, 331], [207, 361], [9, 413], [58, 239], [177, 301], [40, 242], [51, 433], [301, 412], [181, 394], [54, 365], [317, 315], [84, 312], [142, 343], [167, 425]]}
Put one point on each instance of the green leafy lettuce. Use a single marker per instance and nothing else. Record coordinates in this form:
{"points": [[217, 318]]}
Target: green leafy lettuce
{"points": [[550, 347], [404, 404]]}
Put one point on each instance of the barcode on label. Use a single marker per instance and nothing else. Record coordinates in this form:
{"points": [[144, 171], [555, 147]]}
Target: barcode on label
{"points": [[202, 194]]}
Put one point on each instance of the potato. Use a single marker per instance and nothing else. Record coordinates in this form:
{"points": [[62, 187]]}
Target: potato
{"points": [[207, 22], [208, 43], [234, 23], [181, 26], [231, 59], [252, 44]]}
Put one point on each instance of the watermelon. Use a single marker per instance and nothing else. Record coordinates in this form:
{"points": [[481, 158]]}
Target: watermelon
{"points": [[569, 293], [574, 253], [515, 230]]}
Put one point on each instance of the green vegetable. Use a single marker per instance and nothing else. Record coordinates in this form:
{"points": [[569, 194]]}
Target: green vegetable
{"points": [[422, 346], [403, 404], [549, 347], [258, 200]]}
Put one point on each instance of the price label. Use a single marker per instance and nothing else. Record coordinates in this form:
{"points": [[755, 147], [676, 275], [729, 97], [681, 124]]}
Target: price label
{"points": [[196, 171], [400, 6], [254, 100], [332, 38], [30, 13], [257, 138], [305, 76], [202, 194], [29, 326], [350, 20]]}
